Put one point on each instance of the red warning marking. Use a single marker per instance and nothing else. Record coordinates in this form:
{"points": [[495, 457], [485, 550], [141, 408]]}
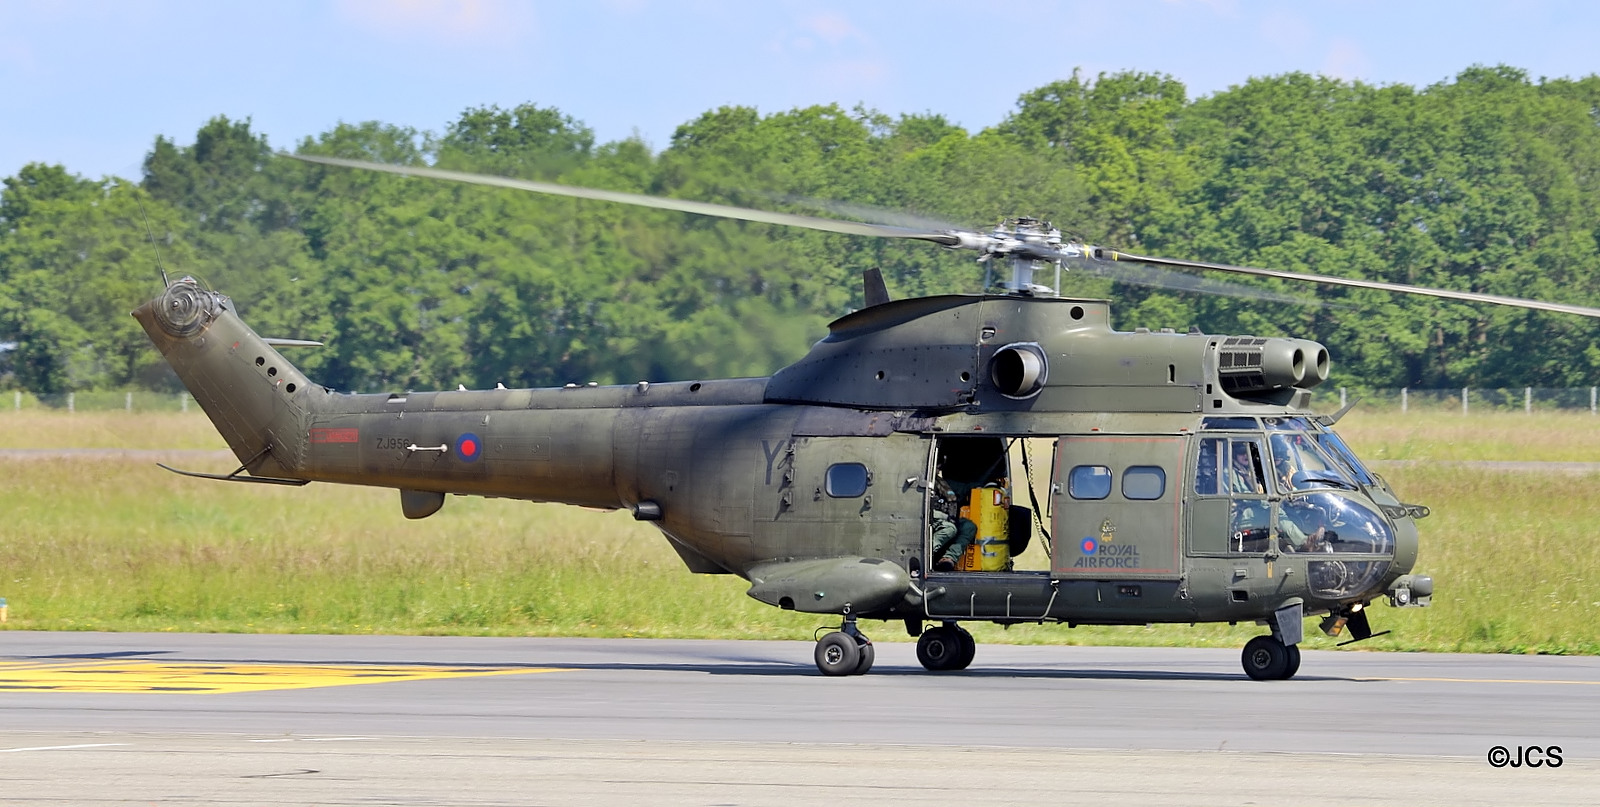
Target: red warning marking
{"points": [[335, 436]]}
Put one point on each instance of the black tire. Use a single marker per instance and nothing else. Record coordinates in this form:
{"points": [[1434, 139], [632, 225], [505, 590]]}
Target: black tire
{"points": [[837, 654], [867, 657], [1265, 659], [939, 648], [969, 648], [1294, 662]]}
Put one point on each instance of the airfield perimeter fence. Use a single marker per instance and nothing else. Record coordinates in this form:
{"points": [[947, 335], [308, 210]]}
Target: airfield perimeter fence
{"points": [[1464, 401], [123, 400]]}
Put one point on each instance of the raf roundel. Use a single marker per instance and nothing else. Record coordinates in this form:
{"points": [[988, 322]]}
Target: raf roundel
{"points": [[469, 447], [1089, 546]]}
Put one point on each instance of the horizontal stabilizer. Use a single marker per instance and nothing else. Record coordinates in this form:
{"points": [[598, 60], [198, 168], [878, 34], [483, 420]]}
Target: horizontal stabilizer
{"points": [[235, 477]]}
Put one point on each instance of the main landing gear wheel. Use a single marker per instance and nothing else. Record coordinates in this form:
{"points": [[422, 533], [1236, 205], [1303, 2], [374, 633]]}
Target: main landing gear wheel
{"points": [[945, 648], [1266, 658]]}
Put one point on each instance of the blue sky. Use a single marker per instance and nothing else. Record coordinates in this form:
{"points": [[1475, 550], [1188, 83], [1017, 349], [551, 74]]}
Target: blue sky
{"points": [[89, 84]]}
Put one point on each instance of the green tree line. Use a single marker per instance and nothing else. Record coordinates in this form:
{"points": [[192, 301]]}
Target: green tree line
{"points": [[1488, 182]]}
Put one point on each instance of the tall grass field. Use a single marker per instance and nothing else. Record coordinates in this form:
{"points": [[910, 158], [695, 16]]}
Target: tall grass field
{"points": [[109, 542]]}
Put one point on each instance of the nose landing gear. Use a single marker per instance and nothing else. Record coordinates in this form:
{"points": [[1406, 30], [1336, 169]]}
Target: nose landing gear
{"points": [[846, 651], [1266, 658]]}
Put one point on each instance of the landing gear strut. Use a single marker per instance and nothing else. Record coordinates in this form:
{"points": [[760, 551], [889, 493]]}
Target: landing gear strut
{"points": [[945, 648], [846, 651]]}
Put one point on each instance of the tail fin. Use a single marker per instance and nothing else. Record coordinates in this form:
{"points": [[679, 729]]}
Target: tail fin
{"points": [[255, 397]]}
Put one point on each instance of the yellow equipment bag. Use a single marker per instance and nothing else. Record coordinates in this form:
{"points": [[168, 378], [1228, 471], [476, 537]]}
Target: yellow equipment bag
{"points": [[990, 509]]}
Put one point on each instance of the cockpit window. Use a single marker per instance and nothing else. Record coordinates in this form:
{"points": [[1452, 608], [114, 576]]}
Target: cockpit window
{"points": [[1299, 464], [1229, 424], [1229, 466], [1287, 424], [1335, 446], [1325, 522]]}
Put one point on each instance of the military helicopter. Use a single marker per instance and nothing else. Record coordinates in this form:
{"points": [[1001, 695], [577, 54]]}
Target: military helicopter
{"points": [[872, 479]]}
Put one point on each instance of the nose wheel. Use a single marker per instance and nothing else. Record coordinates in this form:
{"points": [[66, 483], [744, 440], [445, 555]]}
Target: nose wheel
{"points": [[1266, 658], [846, 651], [946, 648]]}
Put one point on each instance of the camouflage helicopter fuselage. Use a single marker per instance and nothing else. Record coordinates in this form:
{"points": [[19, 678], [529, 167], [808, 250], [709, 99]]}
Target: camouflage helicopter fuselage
{"points": [[815, 484]]}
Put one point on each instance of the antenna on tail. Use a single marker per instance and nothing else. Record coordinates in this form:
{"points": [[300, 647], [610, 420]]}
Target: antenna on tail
{"points": [[153, 245]]}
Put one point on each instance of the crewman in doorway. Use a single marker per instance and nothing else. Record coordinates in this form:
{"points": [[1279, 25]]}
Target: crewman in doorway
{"points": [[952, 534]]}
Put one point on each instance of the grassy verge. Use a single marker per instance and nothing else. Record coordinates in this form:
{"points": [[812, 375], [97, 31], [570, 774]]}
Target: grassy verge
{"points": [[47, 428], [100, 544], [117, 544], [1552, 437]]}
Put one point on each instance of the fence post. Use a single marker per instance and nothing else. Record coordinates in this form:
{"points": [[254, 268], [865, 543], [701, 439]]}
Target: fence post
{"points": [[1403, 394], [183, 401], [16, 400], [71, 402], [127, 403], [1463, 400]]}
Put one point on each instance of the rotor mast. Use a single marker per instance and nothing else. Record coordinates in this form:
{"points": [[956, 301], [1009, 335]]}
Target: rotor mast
{"points": [[1029, 245]]}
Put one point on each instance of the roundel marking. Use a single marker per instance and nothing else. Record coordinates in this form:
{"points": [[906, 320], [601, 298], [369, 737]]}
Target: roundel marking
{"points": [[469, 447], [1089, 546]]}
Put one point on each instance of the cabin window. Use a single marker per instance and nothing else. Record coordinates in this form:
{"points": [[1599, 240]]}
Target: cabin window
{"points": [[1089, 482], [846, 480], [1144, 482]]}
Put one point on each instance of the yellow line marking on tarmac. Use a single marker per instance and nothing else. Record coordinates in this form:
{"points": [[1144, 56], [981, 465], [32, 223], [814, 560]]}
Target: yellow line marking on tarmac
{"points": [[214, 678], [1489, 681]]}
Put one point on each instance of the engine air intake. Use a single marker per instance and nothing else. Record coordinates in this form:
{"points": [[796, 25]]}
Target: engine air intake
{"points": [[1248, 365], [1019, 370]]}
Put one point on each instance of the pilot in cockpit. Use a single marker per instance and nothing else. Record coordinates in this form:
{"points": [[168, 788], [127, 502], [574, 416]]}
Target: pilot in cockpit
{"points": [[1245, 477], [1302, 527]]}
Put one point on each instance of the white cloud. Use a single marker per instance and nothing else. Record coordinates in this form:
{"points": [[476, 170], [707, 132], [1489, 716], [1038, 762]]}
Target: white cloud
{"points": [[1228, 9], [834, 29], [454, 21]]}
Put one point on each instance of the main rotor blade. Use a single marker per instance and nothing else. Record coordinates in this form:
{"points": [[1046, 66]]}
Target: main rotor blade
{"points": [[877, 215], [1101, 253], [1153, 277], [660, 203]]}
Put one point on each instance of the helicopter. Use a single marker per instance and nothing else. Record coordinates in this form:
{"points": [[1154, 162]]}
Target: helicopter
{"points": [[873, 479]]}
